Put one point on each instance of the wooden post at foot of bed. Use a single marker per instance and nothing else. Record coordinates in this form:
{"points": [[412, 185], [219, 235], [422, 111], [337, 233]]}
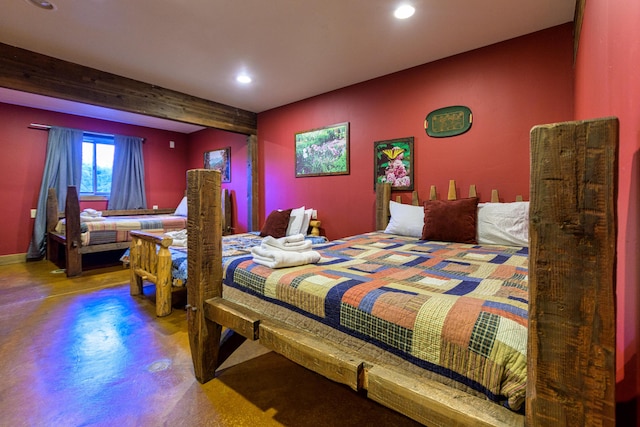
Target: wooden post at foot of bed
{"points": [[74, 242], [136, 281], [70, 242], [53, 247], [163, 284], [204, 268], [572, 335]]}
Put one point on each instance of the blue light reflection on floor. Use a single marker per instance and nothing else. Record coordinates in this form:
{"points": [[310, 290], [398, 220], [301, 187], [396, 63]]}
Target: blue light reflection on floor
{"points": [[90, 350]]}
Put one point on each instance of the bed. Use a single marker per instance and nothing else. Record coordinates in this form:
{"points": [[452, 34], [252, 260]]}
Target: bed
{"points": [[570, 339], [154, 258], [72, 234]]}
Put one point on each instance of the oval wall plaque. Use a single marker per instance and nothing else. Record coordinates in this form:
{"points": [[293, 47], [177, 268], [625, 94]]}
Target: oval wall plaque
{"points": [[448, 121]]}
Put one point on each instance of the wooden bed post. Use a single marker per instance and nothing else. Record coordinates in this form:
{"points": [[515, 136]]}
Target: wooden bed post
{"points": [[52, 221], [163, 282], [383, 195], [226, 206], [136, 282], [73, 234], [204, 268], [571, 347]]}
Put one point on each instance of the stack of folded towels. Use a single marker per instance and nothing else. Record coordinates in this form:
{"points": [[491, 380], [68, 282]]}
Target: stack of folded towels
{"points": [[289, 251], [89, 215]]}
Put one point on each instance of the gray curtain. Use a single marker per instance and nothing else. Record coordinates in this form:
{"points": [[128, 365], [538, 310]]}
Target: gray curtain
{"points": [[127, 184], [63, 167]]}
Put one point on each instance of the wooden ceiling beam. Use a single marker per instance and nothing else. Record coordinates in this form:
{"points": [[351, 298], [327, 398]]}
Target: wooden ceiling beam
{"points": [[32, 72]]}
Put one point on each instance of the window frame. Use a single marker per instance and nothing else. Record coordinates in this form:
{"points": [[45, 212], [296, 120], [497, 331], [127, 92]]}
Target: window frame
{"points": [[95, 139]]}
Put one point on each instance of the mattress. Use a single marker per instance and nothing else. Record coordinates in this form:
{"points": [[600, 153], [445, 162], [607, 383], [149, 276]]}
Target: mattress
{"points": [[116, 228]]}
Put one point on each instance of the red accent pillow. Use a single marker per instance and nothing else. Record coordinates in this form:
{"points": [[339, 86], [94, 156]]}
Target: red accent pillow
{"points": [[276, 224], [451, 220]]}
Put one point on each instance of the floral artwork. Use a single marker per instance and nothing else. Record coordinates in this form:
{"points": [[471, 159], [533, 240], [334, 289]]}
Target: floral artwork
{"points": [[323, 151], [394, 163]]}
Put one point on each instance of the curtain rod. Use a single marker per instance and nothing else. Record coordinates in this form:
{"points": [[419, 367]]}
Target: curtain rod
{"points": [[47, 127], [39, 126]]}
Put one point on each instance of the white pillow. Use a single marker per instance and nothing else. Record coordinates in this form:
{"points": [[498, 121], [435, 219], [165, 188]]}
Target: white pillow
{"points": [[181, 210], [503, 224], [305, 221], [406, 220], [295, 221]]}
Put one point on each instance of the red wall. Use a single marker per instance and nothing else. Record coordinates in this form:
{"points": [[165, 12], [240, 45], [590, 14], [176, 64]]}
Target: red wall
{"points": [[22, 156], [212, 139], [509, 87], [607, 84]]}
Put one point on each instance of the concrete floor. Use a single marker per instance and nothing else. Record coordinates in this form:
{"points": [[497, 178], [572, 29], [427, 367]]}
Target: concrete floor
{"points": [[83, 352]]}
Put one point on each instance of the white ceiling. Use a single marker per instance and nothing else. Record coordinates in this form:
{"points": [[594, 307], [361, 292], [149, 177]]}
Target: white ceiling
{"points": [[293, 49]]}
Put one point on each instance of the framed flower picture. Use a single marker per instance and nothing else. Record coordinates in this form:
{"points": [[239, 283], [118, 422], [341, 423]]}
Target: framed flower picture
{"points": [[219, 160], [393, 163], [323, 151]]}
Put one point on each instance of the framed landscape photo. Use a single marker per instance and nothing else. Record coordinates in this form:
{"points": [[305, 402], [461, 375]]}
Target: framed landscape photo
{"points": [[323, 151], [393, 163], [219, 160]]}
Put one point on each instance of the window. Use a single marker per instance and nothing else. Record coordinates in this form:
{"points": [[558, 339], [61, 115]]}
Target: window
{"points": [[97, 164]]}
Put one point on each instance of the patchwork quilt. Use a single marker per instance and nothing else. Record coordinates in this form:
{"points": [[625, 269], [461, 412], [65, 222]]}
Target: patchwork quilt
{"points": [[458, 310], [232, 245], [116, 228]]}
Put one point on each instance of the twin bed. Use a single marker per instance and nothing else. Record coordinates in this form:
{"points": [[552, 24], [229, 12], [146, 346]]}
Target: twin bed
{"points": [[445, 333], [154, 257], [74, 233]]}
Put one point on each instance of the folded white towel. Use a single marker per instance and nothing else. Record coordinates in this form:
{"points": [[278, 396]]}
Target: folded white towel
{"points": [[294, 238], [282, 244], [178, 234], [179, 242], [179, 237], [280, 259], [91, 212]]}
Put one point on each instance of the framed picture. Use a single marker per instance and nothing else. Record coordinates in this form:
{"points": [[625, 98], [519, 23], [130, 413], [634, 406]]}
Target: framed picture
{"points": [[323, 151], [393, 163], [219, 160]]}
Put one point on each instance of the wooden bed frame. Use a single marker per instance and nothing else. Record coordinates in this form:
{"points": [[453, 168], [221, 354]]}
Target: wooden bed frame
{"points": [[571, 342], [150, 260], [66, 250]]}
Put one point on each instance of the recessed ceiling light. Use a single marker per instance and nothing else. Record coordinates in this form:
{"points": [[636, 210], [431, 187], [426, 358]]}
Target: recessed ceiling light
{"points": [[42, 4], [404, 11], [243, 78]]}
